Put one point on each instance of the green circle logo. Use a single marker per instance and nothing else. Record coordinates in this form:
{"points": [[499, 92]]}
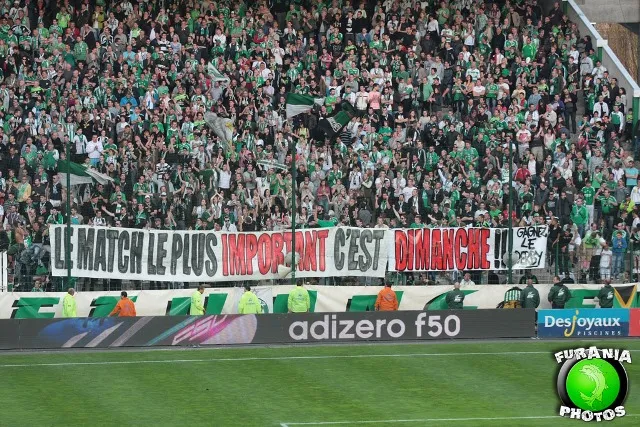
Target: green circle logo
{"points": [[593, 385]]}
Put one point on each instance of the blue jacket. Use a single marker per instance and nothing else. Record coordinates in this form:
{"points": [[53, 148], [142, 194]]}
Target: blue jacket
{"points": [[618, 245]]}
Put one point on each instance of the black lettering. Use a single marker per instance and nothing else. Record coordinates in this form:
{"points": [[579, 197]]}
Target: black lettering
{"points": [[86, 239], [123, 245], [338, 256], [378, 235], [112, 236], [211, 265], [57, 250], [151, 268], [353, 248], [197, 253], [70, 250], [186, 269], [162, 253], [137, 245], [176, 252], [100, 261], [365, 259]]}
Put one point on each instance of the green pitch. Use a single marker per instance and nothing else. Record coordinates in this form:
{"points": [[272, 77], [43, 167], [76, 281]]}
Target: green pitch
{"points": [[456, 384]]}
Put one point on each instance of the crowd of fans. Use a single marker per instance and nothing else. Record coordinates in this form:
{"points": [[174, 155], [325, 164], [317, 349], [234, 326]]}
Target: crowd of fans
{"points": [[451, 98]]}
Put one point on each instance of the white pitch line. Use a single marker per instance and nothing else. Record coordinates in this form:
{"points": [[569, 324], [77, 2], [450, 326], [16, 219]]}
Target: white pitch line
{"points": [[249, 359], [426, 420]]}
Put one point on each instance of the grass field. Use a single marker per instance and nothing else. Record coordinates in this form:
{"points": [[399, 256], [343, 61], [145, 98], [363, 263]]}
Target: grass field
{"points": [[453, 384]]}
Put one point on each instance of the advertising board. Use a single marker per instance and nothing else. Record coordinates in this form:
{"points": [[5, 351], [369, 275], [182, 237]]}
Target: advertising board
{"points": [[112, 332], [581, 323]]}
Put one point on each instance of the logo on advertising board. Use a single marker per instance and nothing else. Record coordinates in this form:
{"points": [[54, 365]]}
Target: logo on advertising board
{"points": [[592, 383], [634, 322], [226, 329], [578, 323]]}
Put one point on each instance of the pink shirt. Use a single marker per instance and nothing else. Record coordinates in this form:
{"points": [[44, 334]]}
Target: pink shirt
{"points": [[374, 100]]}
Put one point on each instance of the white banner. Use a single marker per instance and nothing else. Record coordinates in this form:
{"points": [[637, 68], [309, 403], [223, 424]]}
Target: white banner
{"points": [[20, 305], [202, 256], [208, 256], [529, 247]]}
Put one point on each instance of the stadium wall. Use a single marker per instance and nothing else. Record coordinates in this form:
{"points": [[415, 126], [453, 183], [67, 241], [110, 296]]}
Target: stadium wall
{"points": [[324, 299]]}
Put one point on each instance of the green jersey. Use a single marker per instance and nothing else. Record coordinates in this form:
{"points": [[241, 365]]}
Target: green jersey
{"points": [[513, 295], [455, 299], [559, 294], [530, 297], [579, 215], [80, 51], [607, 204], [492, 90], [605, 296], [589, 195], [529, 51]]}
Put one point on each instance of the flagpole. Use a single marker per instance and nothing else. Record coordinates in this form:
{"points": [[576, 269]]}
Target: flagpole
{"points": [[293, 213], [510, 241], [68, 210]]}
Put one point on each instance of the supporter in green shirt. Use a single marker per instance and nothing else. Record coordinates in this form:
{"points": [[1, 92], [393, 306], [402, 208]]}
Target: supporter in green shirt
{"points": [[606, 295], [80, 50], [530, 295], [455, 298]]}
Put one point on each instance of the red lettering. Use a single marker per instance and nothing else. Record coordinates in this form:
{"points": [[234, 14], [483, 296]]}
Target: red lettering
{"points": [[485, 233], [411, 245], [322, 252], [287, 236], [225, 256], [300, 248], [236, 255], [423, 249], [310, 262], [448, 248], [277, 257], [436, 250], [251, 247], [264, 253], [472, 249], [401, 250], [461, 242]]}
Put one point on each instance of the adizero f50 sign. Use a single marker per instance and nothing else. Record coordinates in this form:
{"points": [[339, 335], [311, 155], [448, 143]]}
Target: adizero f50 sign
{"points": [[411, 325], [193, 256], [592, 383]]}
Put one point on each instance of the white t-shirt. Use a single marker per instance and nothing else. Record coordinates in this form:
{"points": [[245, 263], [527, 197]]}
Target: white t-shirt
{"points": [[605, 258]]}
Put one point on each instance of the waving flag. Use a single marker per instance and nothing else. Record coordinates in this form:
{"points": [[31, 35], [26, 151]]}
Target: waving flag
{"points": [[222, 127], [298, 104], [80, 174]]}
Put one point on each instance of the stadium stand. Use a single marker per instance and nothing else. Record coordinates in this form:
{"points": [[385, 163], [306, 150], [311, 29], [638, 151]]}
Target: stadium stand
{"points": [[451, 99]]}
